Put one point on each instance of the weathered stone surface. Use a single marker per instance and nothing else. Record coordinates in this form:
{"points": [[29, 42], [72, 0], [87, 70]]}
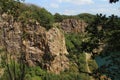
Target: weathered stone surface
{"points": [[40, 47], [56, 44], [73, 26], [10, 34], [55, 36]]}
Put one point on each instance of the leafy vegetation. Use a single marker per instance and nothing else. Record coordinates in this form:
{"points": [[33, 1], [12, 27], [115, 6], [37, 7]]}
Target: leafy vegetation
{"points": [[58, 17], [101, 30], [92, 65], [76, 54], [33, 12], [105, 30], [88, 18], [74, 42], [24, 13]]}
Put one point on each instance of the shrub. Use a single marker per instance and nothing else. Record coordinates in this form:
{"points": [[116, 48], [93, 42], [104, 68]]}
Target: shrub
{"points": [[92, 65]]}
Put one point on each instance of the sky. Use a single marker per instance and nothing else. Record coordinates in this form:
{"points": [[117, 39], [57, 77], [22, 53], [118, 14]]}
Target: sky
{"points": [[74, 7]]}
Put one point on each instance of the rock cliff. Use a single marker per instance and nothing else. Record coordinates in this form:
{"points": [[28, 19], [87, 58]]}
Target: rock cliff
{"points": [[40, 47], [73, 26]]}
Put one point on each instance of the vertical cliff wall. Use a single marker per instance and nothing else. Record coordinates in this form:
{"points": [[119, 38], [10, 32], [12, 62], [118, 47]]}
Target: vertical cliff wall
{"points": [[40, 47]]}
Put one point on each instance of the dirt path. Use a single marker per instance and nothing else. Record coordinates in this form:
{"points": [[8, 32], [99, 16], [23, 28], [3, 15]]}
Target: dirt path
{"points": [[1, 72], [88, 56]]}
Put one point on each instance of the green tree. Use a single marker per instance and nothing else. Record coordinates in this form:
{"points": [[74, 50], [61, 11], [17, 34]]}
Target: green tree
{"points": [[10, 7], [35, 13], [46, 18], [58, 17], [88, 18], [105, 30]]}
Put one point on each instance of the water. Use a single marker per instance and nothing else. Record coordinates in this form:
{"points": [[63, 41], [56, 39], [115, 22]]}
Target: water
{"points": [[110, 64]]}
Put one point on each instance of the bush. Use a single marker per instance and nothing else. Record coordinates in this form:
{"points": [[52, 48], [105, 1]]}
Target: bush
{"points": [[58, 17], [92, 65]]}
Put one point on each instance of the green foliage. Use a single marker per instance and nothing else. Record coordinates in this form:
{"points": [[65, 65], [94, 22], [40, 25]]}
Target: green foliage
{"points": [[36, 78], [101, 29], [27, 77], [92, 65], [46, 18], [86, 17], [82, 62], [33, 12], [105, 30], [65, 76], [10, 7], [24, 13], [77, 63], [73, 43], [58, 17], [36, 73], [13, 70], [73, 67], [90, 44]]}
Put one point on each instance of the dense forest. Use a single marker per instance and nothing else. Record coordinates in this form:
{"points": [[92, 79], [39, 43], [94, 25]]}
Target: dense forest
{"points": [[101, 32]]}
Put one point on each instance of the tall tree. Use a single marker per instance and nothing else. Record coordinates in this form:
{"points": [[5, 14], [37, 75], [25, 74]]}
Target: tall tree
{"points": [[58, 17]]}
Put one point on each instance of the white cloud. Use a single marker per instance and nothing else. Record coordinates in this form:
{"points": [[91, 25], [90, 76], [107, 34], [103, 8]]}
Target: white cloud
{"points": [[69, 12], [54, 5], [105, 0], [107, 11], [78, 2]]}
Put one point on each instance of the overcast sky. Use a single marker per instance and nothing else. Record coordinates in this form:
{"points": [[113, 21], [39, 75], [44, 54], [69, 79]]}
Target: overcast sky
{"points": [[73, 7]]}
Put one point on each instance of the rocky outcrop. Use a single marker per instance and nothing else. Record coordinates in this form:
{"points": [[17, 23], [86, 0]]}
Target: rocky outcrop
{"points": [[56, 44], [10, 34], [73, 26], [40, 47]]}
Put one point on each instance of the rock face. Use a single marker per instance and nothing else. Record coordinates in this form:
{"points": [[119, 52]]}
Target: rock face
{"points": [[73, 26], [56, 44], [40, 47], [10, 34]]}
